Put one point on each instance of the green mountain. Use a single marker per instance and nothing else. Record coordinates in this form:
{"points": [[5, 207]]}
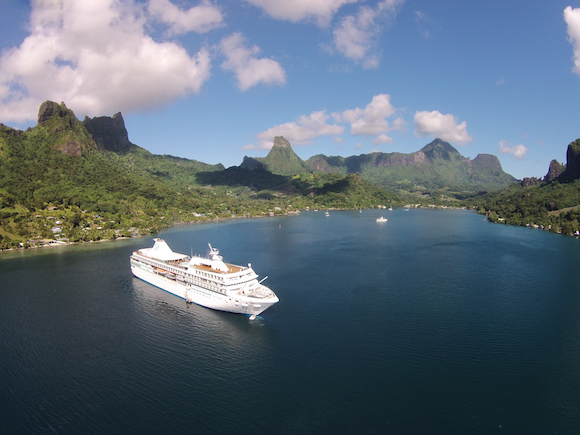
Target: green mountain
{"points": [[552, 204], [81, 181], [438, 166], [58, 161], [112, 139], [281, 160]]}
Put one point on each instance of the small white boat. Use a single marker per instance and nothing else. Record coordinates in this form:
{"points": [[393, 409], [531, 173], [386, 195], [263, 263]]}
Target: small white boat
{"points": [[327, 214], [382, 219]]}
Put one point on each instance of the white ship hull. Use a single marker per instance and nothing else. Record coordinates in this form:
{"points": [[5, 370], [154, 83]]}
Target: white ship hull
{"points": [[245, 297]]}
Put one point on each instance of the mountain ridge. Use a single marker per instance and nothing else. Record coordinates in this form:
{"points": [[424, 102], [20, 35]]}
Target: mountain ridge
{"points": [[436, 166]]}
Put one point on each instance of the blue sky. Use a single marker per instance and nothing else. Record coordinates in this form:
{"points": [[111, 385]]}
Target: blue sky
{"points": [[217, 80]]}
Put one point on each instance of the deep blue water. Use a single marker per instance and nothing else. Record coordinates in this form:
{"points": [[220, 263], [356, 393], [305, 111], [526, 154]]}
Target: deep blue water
{"points": [[436, 322]]}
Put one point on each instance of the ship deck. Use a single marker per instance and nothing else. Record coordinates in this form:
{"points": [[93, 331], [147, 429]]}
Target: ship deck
{"points": [[231, 268]]}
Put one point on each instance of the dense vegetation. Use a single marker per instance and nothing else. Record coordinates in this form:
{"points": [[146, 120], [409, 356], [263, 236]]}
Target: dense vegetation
{"points": [[57, 184], [553, 206], [437, 170], [69, 181]]}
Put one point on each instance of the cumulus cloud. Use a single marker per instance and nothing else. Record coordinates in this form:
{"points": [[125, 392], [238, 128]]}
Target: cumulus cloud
{"points": [[249, 69], [445, 127], [370, 121], [97, 57], [321, 11], [200, 19], [356, 36], [382, 139], [517, 151], [300, 132], [572, 18]]}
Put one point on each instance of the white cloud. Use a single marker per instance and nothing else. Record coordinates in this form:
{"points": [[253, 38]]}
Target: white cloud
{"points": [[518, 151], [96, 57], [356, 37], [572, 18], [382, 139], [372, 120], [321, 11], [445, 127], [200, 19], [425, 24], [300, 132], [249, 70]]}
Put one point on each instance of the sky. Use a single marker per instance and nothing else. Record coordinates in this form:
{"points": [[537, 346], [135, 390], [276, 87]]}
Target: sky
{"points": [[217, 80]]}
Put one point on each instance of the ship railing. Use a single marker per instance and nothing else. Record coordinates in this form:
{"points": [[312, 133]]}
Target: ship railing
{"points": [[206, 284], [192, 280]]}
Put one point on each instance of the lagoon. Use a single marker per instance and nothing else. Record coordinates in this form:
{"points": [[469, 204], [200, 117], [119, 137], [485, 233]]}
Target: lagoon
{"points": [[436, 322]]}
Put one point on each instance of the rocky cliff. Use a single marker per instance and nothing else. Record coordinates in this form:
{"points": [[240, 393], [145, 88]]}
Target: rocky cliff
{"points": [[60, 128], [572, 171], [554, 171], [109, 133], [438, 165]]}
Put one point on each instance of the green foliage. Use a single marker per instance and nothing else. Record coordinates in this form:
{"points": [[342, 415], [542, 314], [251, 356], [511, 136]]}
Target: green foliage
{"points": [[169, 170], [282, 160], [554, 206], [438, 169], [68, 190]]}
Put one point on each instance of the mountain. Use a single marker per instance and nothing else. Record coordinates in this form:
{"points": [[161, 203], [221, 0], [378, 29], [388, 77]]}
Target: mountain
{"points": [[552, 204], [437, 166], [572, 171], [82, 181], [59, 162], [281, 160], [112, 139], [109, 133], [59, 128]]}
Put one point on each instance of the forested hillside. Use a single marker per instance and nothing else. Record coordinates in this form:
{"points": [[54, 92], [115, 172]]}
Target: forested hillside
{"points": [[552, 204], [66, 180], [438, 169]]}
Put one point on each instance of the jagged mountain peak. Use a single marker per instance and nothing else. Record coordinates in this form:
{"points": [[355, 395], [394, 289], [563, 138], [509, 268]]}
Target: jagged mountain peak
{"points": [[439, 149], [49, 109], [281, 142], [109, 133], [63, 130], [282, 160], [572, 171], [438, 165]]}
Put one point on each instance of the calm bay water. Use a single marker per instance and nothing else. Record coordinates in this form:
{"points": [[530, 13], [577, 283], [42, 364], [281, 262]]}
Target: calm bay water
{"points": [[433, 323]]}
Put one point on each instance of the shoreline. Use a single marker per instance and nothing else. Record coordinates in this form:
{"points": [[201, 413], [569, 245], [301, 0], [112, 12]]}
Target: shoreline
{"points": [[213, 220], [89, 242]]}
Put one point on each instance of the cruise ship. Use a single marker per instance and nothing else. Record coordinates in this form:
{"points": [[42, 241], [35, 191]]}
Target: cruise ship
{"points": [[206, 281]]}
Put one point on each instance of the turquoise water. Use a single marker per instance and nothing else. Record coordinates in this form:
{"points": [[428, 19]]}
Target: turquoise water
{"points": [[436, 322]]}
